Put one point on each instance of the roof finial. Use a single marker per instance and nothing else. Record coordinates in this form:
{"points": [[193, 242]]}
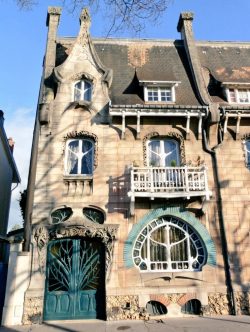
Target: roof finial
{"points": [[85, 18]]}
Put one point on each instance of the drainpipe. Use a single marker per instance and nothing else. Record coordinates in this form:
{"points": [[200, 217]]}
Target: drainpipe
{"points": [[212, 152]]}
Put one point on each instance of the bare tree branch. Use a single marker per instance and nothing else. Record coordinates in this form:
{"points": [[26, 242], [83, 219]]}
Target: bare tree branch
{"points": [[130, 15]]}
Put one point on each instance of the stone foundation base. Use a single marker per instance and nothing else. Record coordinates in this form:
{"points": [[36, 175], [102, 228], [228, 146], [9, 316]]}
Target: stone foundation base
{"points": [[125, 307], [122, 307], [33, 310]]}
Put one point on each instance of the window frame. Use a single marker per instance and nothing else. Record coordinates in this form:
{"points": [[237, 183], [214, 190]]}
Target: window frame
{"points": [[82, 90], [247, 152], [79, 157], [236, 98], [159, 88], [160, 266], [162, 153]]}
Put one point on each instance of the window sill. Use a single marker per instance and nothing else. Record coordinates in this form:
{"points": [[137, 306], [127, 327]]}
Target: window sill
{"points": [[151, 102], [69, 178]]}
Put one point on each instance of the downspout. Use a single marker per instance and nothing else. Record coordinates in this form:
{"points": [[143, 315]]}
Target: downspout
{"points": [[212, 152]]}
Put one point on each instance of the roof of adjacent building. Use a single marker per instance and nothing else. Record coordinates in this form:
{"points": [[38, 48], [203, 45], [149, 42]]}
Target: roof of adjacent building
{"points": [[9, 155]]}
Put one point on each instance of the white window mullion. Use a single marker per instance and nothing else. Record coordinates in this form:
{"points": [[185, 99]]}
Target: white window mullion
{"points": [[148, 250], [79, 158], [237, 95]]}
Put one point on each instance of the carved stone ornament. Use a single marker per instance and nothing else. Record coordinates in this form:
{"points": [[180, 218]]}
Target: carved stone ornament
{"points": [[83, 134], [105, 233], [172, 135]]}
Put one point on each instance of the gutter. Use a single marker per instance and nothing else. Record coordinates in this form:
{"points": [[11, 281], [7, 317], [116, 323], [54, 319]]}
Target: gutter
{"points": [[224, 246]]}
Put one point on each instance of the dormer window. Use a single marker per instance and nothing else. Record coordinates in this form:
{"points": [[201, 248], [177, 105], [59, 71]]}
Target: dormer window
{"points": [[159, 91], [82, 90], [239, 96], [159, 94]]}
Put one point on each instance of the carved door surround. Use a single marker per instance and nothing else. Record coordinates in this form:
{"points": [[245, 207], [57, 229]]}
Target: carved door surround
{"points": [[43, 234]]}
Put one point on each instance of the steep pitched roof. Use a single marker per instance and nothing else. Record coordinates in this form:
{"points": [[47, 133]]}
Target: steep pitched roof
{"points": [[140, 60], [227, 62]]}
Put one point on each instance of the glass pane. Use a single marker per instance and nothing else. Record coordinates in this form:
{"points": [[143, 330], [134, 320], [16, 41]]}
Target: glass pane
{"points": [[94, 215], [243, 96], [152, 94], [157, 252], [77, 91], [232, 95], [61, 215], [72, 161], [87, 158], [60, 265], [166, 94], [179, 251], [154, 153], [159, 235], [171, 152], [89, 269], [176, 235], [87, 91], [248, 153]]}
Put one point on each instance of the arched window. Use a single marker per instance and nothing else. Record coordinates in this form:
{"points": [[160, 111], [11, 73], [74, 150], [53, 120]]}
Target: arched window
{"points": [[168, 244], [94, 215], [163, 152], [79, 157], [61, 215], [82, 90]]}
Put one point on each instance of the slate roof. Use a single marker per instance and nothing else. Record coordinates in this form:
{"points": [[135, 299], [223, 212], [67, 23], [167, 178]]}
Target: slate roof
{"points": [[162, 60], [226, 62]]}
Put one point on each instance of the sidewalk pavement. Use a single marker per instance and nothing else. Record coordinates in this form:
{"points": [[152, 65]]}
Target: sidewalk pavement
{"points": [[186, 324]]}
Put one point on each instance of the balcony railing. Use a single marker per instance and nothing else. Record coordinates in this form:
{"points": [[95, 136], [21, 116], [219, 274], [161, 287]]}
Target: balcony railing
{"points": [[169, 182]]}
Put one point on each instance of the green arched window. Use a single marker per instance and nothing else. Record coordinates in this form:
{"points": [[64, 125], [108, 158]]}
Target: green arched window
{"points": [[169, 244]]}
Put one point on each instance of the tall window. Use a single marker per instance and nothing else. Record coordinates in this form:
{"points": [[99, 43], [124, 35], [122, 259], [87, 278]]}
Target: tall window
{"points": [[168, 244], [247, 152], [82, 90], [163, 152], [79, 157]]}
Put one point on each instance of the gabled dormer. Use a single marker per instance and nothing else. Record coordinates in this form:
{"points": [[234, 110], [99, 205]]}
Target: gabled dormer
{"points": [[161, 92], [80, 79]]}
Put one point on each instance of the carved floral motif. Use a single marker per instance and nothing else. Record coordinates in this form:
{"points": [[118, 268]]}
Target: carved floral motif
{"points": [[106, 234]]}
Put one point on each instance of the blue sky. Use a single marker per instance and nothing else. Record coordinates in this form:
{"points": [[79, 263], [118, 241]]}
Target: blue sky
{"points": [[23, 40]]}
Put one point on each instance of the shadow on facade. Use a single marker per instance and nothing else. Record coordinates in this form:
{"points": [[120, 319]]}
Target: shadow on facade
{"points": [[118, 200]]}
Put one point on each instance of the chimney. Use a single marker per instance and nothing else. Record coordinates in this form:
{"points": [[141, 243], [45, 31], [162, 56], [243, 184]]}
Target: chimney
{"points": [[185, 25], [52, 22]]}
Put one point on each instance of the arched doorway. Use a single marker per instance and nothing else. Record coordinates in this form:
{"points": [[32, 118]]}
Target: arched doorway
{"points": [[75, 279]]}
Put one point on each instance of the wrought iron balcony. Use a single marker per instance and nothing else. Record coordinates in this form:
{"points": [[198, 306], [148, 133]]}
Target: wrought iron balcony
{"points": [[168, 182]]}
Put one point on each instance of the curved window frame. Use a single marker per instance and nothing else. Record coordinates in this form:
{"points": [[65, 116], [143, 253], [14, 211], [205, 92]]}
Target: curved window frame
{"points": [[79, 157], [163, 154], [82, 90], [246, 143], [144, 242], [60, 215]]}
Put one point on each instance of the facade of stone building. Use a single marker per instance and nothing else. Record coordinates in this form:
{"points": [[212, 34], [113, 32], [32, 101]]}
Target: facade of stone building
{"points": [[139, 182]]}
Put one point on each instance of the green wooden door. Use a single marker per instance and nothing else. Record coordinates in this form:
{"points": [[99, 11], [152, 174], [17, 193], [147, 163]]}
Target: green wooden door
{"points": [[75, 280]]}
